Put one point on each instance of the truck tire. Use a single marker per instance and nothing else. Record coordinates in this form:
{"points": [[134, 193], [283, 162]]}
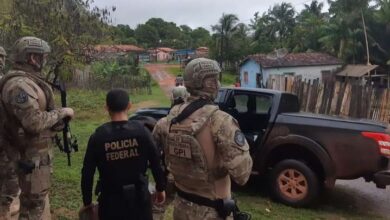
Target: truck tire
{"points": [[293, 183]]}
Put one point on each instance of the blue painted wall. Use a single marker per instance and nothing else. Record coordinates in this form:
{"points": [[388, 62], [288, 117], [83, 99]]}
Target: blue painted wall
{"points": [[252, 68], [307, 72]]}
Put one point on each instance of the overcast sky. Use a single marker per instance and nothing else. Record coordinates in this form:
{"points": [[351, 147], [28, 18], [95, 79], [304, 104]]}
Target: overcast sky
{"points": [[194, 13]]}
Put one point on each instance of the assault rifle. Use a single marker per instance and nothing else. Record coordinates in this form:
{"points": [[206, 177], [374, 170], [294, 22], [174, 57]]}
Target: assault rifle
{"points": [[69, 142]]}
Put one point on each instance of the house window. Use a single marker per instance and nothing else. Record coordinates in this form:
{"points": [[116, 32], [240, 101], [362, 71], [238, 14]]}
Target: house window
{"points": [[246, 77]]}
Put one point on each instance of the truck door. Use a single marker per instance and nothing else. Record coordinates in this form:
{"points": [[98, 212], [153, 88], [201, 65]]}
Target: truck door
{"points": [[252, 111]]}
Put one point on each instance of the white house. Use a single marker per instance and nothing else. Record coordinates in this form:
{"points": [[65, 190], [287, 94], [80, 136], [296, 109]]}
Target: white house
{"points": [[255, 69]]}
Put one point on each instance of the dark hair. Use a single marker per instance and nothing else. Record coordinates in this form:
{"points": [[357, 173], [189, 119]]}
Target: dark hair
{"points": [[117, 100]]}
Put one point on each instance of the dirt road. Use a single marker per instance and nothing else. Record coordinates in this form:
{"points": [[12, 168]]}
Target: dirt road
{"points": [[160, 74]]}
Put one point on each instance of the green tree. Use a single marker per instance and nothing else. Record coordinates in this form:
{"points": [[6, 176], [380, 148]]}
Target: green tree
{"points": [[309, 28], [223, 34], [275, 27], [147, 35], [123, 34], [380, 28], [344, 34], [200, 37], [70, 26]]}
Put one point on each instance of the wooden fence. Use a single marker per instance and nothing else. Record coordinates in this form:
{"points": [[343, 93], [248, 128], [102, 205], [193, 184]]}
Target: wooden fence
{"points": [[135, 84], [346, 99]]}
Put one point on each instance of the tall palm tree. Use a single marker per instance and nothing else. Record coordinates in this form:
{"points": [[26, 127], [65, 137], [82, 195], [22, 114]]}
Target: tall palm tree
{"points": [[315, 8], [281, 22], [224, 30]]}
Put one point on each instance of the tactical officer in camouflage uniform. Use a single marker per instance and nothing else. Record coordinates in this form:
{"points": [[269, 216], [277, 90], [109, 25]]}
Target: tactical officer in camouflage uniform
{"points": [[203, 146], [29, 121], [8, 179]]}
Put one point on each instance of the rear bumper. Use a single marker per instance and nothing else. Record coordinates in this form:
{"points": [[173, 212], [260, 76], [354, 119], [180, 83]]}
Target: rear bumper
{"points": [[382, 179]]}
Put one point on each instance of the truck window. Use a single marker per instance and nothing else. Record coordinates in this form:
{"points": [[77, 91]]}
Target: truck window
{"points": [[263, 104], [241, 103]]}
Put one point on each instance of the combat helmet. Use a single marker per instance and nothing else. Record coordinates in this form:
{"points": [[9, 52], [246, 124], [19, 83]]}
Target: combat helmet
{"points": [[28, 45], [197, 71]]}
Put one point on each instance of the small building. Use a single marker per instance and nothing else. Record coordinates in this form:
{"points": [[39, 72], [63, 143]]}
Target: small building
{"points": [[184, 54], [255, 69]]}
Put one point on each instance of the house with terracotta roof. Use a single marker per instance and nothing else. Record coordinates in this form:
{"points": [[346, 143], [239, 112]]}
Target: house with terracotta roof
{"points": [[161, 54], [255, 69]]}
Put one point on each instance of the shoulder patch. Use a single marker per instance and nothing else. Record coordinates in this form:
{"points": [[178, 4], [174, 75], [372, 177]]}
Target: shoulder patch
{"points": [[239, 138], [21, 97]]}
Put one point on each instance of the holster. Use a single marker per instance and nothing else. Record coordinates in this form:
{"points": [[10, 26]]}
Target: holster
{"points": [[224, 207]]}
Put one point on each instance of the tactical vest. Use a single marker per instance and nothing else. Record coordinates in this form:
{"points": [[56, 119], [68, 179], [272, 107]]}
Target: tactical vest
{"points": [[10, 126], [185, 153]]}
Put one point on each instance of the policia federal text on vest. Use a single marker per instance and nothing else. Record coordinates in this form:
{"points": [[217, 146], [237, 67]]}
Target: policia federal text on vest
{"points": [[121, 152]]}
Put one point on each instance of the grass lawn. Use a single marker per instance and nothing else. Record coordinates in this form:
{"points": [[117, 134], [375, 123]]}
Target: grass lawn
{"points": [[175, 70], [65, 191], [228, 78]]}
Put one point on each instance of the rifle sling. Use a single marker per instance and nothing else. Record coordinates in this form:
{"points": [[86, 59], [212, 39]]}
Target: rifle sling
{"points": [[191, 108]]}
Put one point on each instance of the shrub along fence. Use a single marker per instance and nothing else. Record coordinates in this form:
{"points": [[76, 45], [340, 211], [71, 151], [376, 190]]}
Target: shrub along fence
{"points": [[346, 99], [135, 84]]}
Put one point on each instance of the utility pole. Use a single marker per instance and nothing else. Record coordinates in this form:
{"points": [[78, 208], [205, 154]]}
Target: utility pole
{"points": [[365, 36]]}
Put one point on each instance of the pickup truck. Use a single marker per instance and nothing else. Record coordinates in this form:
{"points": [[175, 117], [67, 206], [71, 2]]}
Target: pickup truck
{"points": [[302, 153]]}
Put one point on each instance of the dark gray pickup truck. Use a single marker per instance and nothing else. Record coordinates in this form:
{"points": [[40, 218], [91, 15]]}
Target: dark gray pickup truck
{"points": [[302, 153]]}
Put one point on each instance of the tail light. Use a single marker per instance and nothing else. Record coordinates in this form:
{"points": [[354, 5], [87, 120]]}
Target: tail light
{"points": [[383, 141]]}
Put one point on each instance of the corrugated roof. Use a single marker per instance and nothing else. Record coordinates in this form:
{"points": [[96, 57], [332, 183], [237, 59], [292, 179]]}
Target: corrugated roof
{"points": [[295, 59], [356, 70]]}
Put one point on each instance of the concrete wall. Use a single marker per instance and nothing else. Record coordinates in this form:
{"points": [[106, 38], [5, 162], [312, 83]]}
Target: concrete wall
{"points": [[307, 72], [253, 68]]}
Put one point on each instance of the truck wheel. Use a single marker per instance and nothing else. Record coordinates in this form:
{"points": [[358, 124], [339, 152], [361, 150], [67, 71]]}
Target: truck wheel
{"points": [[293, 183]]}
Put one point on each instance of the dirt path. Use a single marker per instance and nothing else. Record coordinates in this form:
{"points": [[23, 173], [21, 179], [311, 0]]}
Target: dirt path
{"points": [[159, 72]]}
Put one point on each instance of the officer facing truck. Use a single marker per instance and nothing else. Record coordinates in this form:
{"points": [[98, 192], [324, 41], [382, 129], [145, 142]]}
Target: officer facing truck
{"points": [[204, 148], [121, 151], [29, 121]]}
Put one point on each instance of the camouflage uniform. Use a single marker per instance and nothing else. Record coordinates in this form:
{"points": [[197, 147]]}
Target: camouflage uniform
{"points": [[8, 179], [206, 149], [29, 121], [158, 135]]}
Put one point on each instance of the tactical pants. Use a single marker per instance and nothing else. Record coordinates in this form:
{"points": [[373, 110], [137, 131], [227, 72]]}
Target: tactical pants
{"points": [[159, 210], [185, 210], [9, 187], [35, 186]]}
